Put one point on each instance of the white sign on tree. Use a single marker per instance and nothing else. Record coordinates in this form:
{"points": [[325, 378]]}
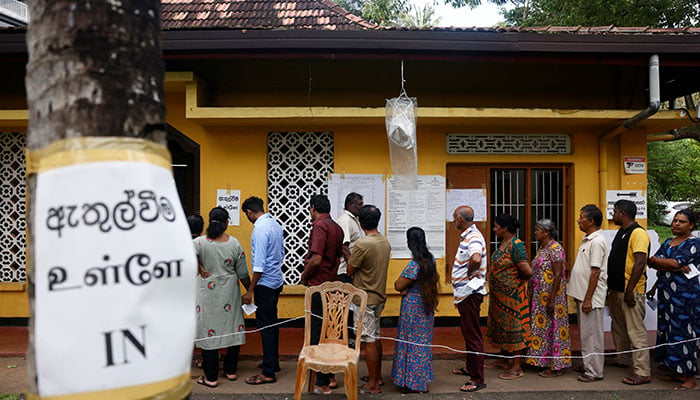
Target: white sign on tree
{"points": [[115, 279]]}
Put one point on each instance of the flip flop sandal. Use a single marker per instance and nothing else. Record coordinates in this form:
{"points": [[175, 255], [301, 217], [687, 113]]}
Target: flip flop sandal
{"points": [[318, 390], [259, 380], [685, 387], [203, 381], [461, 371], [231, 377], [509, 376], [636, 380], [475, 387], [587, 379], [548, 373], [364, 389]]}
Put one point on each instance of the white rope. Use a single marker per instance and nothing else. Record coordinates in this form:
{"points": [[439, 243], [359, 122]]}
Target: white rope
{"points": [[250, 331], [452, 349]]}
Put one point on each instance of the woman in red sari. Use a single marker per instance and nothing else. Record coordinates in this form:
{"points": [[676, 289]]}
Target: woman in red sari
{"points": [[508, 326]]}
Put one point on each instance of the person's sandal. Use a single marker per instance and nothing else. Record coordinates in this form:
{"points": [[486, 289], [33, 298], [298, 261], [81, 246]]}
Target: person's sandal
{"points": [[259, 379], [587, 378], [203, 381], [474, 387], [636, 380], [550, 373]]}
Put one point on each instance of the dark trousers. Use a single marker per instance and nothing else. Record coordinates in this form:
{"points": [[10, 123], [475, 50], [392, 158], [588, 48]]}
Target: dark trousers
{"points": [[469, 309], [266, 314], [210, 362], [316, 324]]}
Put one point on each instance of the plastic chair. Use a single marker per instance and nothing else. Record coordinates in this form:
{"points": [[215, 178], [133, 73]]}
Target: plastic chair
{"points": [[331, 354]]}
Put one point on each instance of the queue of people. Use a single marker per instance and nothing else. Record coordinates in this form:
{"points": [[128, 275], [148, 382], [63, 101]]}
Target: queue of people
{"points": [[528, 318]]}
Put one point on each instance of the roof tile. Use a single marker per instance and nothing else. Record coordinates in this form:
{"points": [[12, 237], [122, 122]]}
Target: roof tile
{"points": [[259, 14]]}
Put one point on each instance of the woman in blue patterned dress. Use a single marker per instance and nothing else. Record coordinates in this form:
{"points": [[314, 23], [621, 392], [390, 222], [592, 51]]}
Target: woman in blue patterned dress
{"points": [[412, 369], [679, 302]]}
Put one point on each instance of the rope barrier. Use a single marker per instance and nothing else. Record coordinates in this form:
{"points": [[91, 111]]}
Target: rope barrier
{"points": [[452, 349]]}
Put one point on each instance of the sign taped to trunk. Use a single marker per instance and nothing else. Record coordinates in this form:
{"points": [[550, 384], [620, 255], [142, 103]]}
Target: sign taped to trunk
{"points": [[114, 281]]}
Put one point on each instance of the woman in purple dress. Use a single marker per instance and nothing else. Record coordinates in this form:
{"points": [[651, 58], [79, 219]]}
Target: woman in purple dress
{"points": [[412, 369]]}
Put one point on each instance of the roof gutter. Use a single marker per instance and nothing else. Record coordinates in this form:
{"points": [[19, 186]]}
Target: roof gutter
{"points": [[629, 125]]}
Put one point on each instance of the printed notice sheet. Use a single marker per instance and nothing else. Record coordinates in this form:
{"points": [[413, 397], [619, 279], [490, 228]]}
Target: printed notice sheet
{"points": [[231, 201], [474, 198], [423, 207], [370, 186]]}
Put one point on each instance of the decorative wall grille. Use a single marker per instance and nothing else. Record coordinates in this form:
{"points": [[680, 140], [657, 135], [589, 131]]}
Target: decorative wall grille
{"points": [[13, 224], [458, 143], [298, 164]]}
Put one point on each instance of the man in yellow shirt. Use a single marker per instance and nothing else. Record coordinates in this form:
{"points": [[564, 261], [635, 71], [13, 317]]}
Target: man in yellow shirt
{"points": [[627, 285]]}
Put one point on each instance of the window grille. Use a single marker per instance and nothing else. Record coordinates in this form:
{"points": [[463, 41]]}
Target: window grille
{"points": [[13, 224], [298, 164]]}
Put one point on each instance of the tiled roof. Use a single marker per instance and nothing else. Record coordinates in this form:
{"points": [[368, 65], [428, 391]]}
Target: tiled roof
{"points": [[259, 14]]}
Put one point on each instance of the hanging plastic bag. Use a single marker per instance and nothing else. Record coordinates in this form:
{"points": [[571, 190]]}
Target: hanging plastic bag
{"points": [[401, 131]]}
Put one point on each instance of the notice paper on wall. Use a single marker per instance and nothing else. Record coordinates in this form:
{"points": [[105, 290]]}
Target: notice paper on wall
{"points": [[115, 281], [474, 198], [231, 201], [370, 186], [638, 197], [423, 207]]}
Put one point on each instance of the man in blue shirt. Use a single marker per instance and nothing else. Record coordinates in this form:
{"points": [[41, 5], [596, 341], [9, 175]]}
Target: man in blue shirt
{"points": [[267, 243]]}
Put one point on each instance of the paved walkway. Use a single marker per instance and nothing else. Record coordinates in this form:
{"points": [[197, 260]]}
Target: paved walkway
{"points": [[13, 344], [446, 385]]}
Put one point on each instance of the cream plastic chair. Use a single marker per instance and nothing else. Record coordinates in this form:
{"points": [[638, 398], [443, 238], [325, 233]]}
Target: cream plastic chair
{"points": [[331, 354]]}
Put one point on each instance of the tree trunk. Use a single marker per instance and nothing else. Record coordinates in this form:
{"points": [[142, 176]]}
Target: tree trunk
{"points": [[95, 69]]}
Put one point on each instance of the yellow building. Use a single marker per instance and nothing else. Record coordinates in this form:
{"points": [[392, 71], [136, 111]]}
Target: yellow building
{"points": [[541, 120]]}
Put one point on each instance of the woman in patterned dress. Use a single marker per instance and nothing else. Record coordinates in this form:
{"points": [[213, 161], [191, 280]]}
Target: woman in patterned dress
{"points": [[508, 326], [679, 302], [412, 369], [548, 310], [222, 264]]}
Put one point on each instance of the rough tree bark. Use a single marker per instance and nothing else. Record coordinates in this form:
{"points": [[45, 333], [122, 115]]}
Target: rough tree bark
{"points": [[95, 69]]}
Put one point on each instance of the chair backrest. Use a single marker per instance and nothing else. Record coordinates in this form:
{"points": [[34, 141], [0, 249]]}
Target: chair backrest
{"points": [[336, 298]]}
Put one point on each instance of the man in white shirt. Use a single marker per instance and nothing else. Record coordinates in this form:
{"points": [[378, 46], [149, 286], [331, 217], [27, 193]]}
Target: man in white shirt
{"points": [[588, 286], [352, 232], [468, 273]]}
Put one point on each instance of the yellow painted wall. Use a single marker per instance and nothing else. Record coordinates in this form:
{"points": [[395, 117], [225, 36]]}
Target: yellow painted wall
{"points": [[235, 157]]}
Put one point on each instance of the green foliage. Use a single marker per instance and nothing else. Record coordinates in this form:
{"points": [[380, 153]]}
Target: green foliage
{"points": [[664, 232], [381, 12], [9, 397], [419, 17], [654, 13], [673, 172]]}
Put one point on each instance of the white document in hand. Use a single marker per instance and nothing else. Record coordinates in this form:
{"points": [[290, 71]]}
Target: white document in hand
{"points": [[249, 308], [476, 283], [694, 271]]}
